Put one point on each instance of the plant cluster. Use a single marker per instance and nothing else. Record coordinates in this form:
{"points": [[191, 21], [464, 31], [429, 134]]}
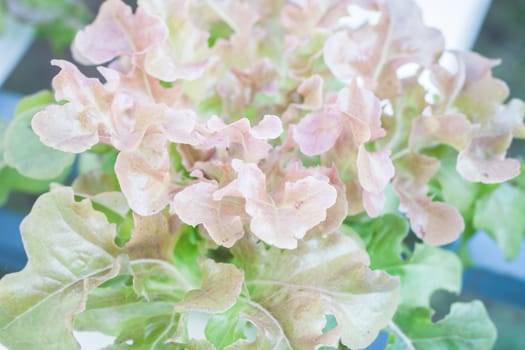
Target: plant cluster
{"points": [[242, 171]]}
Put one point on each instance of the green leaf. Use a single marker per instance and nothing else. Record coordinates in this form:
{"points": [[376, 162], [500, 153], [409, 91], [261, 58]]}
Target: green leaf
{"points": [[225, 329], [148, 307], [219, 30], [115, 206], [190, 246], [39, 99], [3, 17], [11, 180], [209, 106], [269, 332], [115, 309], [177, 161], [4, 190], [501, 214], [220, 288], [24, 151], [124, 230], [118, 310], [103, 189], [466, 327], [455, 190], [427, 270], [183, 339], [70, 251], [384, 238], [60, 33], [291, 292]]}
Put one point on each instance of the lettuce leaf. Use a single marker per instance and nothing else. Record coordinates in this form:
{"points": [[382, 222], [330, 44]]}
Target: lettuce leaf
{"points": [[149, 306], [291, 292], [71, 250], [23, 149], [422, 270], [27, 165], [466, 327], [500, 213]]}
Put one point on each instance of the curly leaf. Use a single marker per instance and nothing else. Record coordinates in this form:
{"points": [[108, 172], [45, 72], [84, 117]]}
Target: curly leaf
{"points": [[149, 305], [225, 329], [466, 327], [292, 291], [384, 239], [455, 190], [270, 334], [13, 181], [126, 33], [375, 52], [70, 251], [427, 270]]}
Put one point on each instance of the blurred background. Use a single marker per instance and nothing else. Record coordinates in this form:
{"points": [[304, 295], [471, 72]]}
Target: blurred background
{"points": [[31, 36]]}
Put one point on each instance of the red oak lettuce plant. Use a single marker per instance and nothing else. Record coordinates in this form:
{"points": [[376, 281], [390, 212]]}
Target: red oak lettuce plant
{"points": [[241, 171]]}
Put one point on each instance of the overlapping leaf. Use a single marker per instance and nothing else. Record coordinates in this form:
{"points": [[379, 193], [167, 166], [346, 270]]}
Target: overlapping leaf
{"points": [[290, 292], [466, 327], [422, 271], [71, 250], [149, 304], [26, 164]]}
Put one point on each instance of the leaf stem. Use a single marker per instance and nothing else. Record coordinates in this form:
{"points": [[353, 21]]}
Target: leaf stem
{"points": [[166, 330], [270, 316]]}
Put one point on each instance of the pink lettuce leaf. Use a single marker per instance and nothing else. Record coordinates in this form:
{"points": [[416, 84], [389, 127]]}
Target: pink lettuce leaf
{"points": [[284, 217], [144, 175], [123, 33], [221, 218]]}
